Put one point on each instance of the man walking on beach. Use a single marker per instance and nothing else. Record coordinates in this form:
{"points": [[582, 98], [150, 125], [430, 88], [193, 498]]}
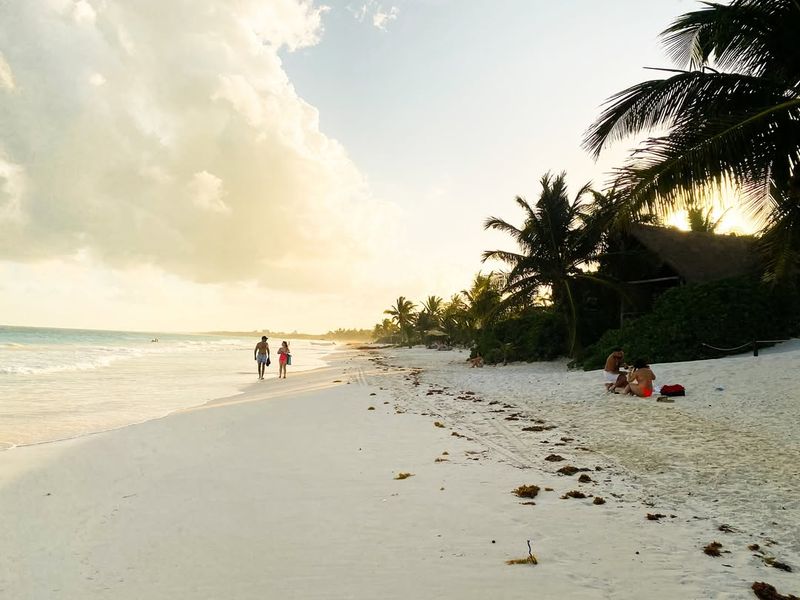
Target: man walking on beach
{"points": [[261, 355]]}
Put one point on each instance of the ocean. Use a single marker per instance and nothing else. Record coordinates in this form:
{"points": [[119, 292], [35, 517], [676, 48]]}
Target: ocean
{"points": [[62, 383]]}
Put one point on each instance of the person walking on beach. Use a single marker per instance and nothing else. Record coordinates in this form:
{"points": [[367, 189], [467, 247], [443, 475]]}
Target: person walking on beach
{"points": [[261, 355], [284, 358], [612, 369]]}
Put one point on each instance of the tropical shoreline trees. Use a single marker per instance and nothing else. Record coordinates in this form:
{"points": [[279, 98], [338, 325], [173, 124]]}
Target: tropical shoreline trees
{"points": [[728, 117], [731, 111]]}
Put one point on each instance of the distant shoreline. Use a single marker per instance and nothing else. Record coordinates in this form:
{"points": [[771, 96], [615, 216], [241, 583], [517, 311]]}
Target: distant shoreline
{"points": [[293, 336]]}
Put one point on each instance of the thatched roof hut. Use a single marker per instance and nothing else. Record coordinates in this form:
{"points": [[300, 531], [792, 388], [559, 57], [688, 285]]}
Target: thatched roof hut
{"points": [[696, 257]]}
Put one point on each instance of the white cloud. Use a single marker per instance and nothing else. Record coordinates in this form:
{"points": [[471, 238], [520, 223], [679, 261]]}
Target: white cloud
{"points": [[168, 133], [205, 192], [12, 188], [379, 15], [84, 13], [6, 74], [382, 17]]}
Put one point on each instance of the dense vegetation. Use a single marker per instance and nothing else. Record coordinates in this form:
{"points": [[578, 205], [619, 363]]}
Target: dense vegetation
{"points": [[727, 117], [723, 314]]}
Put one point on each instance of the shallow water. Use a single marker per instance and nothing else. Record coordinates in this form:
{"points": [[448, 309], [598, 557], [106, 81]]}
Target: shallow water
{"points": [[62, 383]]}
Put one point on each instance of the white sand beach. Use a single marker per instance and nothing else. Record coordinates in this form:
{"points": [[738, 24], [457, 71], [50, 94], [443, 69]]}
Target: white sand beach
{"points": [[288, 490]]}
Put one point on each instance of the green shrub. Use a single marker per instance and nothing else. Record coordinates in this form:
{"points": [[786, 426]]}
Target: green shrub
{"points": [[535, 334], [725, 314]]}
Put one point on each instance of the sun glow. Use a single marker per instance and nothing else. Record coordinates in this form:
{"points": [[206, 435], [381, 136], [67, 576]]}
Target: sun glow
{"points": [[726, 207]]}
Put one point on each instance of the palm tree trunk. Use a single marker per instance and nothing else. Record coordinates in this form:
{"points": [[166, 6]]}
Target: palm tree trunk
{"points": [[572, 321]]}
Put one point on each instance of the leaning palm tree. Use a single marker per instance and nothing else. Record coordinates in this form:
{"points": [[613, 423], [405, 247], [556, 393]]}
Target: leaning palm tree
{"points": [[731, 116], [556, 241], [402, 313]]}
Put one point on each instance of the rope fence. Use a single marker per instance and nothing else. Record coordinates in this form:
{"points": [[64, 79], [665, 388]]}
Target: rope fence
{"points": [[754, 345]]}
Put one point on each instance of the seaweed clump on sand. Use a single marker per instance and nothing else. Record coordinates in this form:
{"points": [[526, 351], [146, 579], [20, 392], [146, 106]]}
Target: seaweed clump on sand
{"points": [[584, 479], [438, 424], [765, 591], [404, 475], [528, 560], [773, 562], [598, 500], [713, 549], [539, 428], [656, 517], [526, 491], [553, 458], [573, 494], [570, 470]]}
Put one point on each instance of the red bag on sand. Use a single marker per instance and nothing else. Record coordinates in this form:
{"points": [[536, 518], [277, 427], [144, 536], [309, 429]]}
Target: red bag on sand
{"points": [[673, 390]]}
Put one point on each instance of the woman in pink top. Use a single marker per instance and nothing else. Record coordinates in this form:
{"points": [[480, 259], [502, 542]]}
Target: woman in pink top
{"points": [[283, 359]]}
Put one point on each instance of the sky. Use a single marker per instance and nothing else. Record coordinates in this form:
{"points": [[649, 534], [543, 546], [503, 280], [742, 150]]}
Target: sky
{"points": [[198, 165]]}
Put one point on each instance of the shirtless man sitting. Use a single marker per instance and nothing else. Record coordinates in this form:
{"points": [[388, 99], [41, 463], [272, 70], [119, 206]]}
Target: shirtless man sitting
{"points": [[612, 368], [261, 355], [640, 380]]}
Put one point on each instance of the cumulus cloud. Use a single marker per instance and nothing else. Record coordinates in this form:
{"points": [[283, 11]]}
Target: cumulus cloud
{"points": [[372, 10], [382, 17], [168, 133], [6, 76]]}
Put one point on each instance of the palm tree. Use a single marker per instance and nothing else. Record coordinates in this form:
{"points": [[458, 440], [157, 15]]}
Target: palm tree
{"points": [[700, 219], [430, 315], [385, 329], [556, 241], [731, 115], [402, 313], [484, 300], [433, 308], [455, 319]]}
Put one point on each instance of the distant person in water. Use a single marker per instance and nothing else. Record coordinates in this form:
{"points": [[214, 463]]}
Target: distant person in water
{"points": [[612, 369], [284, 356], [640, 380], [261, 356]]}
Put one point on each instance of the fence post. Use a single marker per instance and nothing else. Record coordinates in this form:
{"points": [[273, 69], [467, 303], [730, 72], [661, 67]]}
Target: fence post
{"points": [[755, 348]]}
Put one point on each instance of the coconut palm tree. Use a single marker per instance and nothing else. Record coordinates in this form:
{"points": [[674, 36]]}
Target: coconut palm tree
{"points": [[455, 319], [402, 313], [484, 300], [386, 329], [430, 315], [700, 219], [433, 308], [730, 113], [556, 241]]}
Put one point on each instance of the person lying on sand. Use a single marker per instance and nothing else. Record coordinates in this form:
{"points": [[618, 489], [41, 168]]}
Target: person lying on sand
{"points": [[640, 380]]}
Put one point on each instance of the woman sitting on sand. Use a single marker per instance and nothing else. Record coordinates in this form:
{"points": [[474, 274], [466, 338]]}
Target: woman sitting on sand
{"points": [[640, 380], [283, 359]]}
